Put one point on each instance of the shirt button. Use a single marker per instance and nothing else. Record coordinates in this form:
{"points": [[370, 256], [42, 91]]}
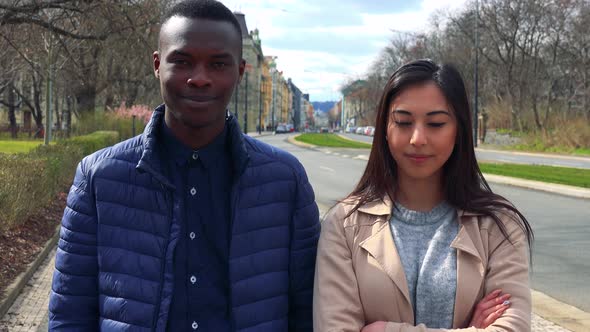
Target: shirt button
{"points": [[195, 325], [192, 235], [193, 279], [195, 156], [193, 191]]}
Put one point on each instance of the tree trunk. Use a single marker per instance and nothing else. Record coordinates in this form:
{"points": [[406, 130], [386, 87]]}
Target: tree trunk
{"points": [[86, 99], [68, 116], [12, 110], [57, 111]]}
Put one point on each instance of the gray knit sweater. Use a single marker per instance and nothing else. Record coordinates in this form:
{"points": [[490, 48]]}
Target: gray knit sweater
{"points": [[423, 242]]}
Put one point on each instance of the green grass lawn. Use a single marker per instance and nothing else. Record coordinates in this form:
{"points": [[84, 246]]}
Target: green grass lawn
{"points": [[584, 152], [331, 140], [10, 146], [561, 175]]}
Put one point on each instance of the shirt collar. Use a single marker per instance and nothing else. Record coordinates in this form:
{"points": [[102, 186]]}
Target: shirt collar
{"points": [[182, 154]]}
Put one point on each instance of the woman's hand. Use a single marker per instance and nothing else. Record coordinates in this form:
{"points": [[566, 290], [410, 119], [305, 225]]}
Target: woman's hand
{"points": [[375, 327], [486, 312], [489, 309]]}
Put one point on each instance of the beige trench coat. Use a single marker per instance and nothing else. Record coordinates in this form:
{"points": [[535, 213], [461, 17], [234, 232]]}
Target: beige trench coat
{"points": [[360, 278]]}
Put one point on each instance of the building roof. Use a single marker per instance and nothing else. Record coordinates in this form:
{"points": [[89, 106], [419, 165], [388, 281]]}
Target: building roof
{"points": [[242, 20]]}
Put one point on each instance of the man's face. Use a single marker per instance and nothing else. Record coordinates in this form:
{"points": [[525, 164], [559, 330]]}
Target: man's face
{"points": [[199, 64]]}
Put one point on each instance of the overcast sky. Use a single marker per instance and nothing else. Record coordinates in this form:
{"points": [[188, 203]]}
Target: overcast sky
{"points": [[321, 43]]}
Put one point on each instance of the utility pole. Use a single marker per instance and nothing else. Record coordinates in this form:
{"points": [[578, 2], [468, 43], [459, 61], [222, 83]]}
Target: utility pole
{"points": [[274, 95], [475, 75], [48, 94], [246, 107], [260, 107], [237, 92]]}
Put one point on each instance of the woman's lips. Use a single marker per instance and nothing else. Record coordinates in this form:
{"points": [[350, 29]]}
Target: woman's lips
{"points": [[418, 158]]}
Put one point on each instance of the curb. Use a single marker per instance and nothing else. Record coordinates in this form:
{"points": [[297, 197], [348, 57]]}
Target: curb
{"points": [[266, 133], [560, 189], [353, 140], [536, 154], [14, 289], [560, 313], [292, 140]]}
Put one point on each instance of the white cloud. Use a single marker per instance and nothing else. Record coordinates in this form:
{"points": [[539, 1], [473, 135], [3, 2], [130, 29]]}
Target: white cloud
{"points": [[318, 71]]}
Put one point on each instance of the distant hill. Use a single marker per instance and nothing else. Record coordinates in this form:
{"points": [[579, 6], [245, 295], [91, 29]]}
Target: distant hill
{"points": [[323, 106]]}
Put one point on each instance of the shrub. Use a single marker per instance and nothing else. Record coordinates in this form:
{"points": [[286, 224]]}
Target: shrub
{"points": [[119, 120], [31, 180]]}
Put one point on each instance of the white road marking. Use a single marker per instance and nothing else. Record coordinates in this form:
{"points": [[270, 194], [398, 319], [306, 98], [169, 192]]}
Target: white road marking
{"points": [[326, 168]]}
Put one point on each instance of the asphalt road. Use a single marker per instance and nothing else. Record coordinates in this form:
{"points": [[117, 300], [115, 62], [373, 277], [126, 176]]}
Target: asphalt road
{"points": [[561, 224], [513, 157]]}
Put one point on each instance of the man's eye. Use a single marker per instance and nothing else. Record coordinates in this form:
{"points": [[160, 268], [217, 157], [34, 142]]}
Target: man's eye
{"points": [[403, 123], [180, 62], [436, 124], [219, 65]]}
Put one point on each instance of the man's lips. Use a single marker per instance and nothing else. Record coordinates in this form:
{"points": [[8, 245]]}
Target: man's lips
{"points": [[200, 99]]}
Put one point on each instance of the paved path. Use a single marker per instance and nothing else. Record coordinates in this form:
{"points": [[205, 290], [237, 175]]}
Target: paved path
{"points": [[29, 311]]}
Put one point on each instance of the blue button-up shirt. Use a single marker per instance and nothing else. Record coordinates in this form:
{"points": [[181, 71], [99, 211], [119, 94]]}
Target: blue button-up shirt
{"points": [[203, 183]]}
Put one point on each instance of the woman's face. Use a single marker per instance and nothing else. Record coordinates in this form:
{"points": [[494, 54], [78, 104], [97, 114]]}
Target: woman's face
{"points": [[421, 132]]}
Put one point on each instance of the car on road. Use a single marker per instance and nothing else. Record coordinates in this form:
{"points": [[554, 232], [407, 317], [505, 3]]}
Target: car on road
{"points": [[281, 129]]}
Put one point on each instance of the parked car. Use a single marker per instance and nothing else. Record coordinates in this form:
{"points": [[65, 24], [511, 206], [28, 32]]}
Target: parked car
{"points": [[360, 130], [281, 129], [369, 130]]}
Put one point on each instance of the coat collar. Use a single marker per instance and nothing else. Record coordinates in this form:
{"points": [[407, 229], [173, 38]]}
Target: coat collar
{"points": [[382, 247], [151, 159], [470, 267]]}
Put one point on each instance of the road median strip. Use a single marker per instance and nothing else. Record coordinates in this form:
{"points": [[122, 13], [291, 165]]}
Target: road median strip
{"points": [[573, 182]]}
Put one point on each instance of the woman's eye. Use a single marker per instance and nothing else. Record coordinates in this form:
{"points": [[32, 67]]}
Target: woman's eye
{"points": [[436, 124], [403, 123]]}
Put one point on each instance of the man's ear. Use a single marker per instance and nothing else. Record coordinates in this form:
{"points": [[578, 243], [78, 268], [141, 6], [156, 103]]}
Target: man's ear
{"points": [[156, 64], [242, 69]]}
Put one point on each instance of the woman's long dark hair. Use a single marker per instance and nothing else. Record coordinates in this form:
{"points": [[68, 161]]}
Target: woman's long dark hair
{"points": [[464, 186]]}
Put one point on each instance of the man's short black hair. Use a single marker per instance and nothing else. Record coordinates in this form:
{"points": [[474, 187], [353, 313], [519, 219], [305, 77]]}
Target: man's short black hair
{"points": [[205, 9]]}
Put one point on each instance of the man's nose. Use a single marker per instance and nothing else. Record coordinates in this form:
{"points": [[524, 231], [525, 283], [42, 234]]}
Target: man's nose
{"points": [[199, 77]]}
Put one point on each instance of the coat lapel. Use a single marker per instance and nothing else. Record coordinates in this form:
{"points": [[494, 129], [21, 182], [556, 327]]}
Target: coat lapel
{"points": [[381, 247], [470, 270]]}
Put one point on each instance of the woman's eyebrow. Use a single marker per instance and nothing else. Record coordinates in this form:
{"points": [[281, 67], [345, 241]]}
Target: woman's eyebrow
{"points": [[438, 112], [402, 112]]}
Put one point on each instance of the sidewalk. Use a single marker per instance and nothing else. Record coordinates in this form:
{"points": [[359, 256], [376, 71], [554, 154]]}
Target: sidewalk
{"points": [[29, 311]]}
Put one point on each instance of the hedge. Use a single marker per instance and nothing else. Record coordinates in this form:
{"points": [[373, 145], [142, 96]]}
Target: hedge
{"points": [[29, 181]]}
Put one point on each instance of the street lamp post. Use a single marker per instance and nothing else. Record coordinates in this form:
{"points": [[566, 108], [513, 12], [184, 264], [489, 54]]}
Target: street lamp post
{"points": [[246, 107], [260, 106], [237, 92], [475, 74]]}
